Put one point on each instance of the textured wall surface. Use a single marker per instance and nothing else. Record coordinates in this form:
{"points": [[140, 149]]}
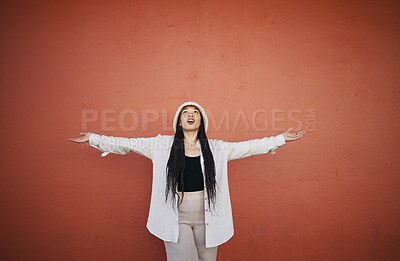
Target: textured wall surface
{"points": [[257, 67]]}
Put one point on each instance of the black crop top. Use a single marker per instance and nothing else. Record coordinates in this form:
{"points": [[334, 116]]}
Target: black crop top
{"points": [[192, 175]]}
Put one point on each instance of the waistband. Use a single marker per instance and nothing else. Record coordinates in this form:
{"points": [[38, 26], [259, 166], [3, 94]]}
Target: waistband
{"points": [[194, 194]]}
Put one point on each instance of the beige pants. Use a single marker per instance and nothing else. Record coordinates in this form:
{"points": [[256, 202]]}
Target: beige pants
{"points": [[191, 244]]}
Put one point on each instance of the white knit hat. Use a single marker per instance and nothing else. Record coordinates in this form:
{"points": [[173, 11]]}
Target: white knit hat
{"points": [[203, 114]]}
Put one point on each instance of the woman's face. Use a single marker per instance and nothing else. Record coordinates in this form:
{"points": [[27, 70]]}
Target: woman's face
{"points": [[190, 118]]}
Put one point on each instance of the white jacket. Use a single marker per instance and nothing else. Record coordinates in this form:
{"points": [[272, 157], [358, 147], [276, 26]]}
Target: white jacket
{"points": [[163, 219]]}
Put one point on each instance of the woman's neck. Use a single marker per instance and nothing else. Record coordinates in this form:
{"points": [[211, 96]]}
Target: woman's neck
{"points": [[190, 137]]}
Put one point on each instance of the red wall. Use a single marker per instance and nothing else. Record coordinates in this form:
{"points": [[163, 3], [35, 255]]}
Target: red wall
{"points": [[330, 67]]}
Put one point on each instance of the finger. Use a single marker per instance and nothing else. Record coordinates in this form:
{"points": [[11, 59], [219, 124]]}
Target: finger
{"points": [[83, 133], [291, 128], [286, 131]]}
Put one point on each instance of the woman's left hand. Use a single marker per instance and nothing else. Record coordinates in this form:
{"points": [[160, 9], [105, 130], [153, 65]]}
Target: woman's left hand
{"points": [[293, 136]]}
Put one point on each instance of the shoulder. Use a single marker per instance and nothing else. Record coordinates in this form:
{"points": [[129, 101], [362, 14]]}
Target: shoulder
{"points": [[165, 139], [217, 144]]}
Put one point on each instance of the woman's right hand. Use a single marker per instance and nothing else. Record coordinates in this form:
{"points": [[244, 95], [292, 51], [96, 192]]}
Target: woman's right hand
{"points": [[82, 139]]}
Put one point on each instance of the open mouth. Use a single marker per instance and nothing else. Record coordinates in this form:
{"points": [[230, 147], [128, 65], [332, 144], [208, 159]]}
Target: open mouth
{"points": [[190, 121]]}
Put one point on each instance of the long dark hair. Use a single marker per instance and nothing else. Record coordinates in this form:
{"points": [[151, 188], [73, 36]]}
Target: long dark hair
{"points": [[176, 165]]}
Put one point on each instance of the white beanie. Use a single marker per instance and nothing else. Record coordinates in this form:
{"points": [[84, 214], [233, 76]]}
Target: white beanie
{"points": [[203, 114]]}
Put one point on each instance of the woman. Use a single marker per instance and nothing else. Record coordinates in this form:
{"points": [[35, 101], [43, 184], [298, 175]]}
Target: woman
{"points": [[190, 208]]}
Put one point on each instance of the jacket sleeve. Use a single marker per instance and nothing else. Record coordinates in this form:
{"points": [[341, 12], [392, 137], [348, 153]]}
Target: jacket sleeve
{"points": [[244, 149], [122, 146]]}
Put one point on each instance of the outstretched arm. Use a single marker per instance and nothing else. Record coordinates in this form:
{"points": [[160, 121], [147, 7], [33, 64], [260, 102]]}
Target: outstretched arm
{"points": [[118, 145], [243, 149]]}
